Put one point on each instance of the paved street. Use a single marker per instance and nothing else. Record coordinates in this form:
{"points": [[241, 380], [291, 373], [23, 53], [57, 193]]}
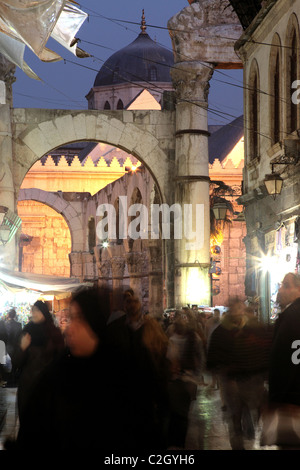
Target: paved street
{"points": [[207, 428]]}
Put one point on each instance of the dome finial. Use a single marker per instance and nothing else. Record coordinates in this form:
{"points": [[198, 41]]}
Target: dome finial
{"points": [[143, 23]]}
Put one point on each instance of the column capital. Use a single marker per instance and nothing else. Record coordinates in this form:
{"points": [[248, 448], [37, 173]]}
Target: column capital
{"points": [[191, 80]]}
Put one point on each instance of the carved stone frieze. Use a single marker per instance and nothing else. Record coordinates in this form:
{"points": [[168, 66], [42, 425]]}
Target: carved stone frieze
{"points": [[105, 269], [117, 267], [135, 262]]}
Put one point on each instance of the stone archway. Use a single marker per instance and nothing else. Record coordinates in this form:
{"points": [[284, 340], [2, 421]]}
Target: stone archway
{"points": [[149, 136], [70, 211]]}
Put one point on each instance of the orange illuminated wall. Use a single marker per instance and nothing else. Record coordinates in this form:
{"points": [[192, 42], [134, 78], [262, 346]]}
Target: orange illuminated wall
{"points": [[233, 251], [47, 252]]}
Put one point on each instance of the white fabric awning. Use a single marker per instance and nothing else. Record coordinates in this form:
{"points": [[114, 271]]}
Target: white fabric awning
{"points": [[60, 287]]}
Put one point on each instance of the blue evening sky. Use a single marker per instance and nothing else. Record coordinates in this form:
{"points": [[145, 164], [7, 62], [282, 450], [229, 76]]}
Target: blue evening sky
{"points": [[64, 84]]}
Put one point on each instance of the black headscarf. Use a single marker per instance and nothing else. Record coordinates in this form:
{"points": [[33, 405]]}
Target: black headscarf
{"points": [[95, 306], [43, 308], [40, 332]]}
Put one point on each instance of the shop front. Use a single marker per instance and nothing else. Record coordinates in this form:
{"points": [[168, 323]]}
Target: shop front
{"points": [[281, 256]]}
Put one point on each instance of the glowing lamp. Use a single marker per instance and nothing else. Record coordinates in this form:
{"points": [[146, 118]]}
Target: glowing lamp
{"points": [[220, 210], [273, 184]]}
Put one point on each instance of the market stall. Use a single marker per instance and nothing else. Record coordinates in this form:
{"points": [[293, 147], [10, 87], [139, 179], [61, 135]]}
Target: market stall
{"points": [[20, 290]]}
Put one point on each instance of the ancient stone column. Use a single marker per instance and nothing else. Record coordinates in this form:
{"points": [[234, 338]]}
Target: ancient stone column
{"points": [[192, 281], [203, 38], [7, 194]]}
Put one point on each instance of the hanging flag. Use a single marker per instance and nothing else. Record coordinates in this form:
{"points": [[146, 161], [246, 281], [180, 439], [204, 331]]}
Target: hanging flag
{"points": [[13, 50], [67, 26], [31, 22], [27, 23]]}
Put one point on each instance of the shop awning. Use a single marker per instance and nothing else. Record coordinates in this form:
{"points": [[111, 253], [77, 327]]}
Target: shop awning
{"points": [[59, 287]]}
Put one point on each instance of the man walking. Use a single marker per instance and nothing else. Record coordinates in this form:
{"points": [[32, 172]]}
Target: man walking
{"points": [[284, 374]]}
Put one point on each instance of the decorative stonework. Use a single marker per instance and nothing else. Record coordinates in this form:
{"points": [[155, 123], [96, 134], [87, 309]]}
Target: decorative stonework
{"points": [[191, 80], [206, 31], [135, 263], [117, 267], [105, 269], [7, 75]]}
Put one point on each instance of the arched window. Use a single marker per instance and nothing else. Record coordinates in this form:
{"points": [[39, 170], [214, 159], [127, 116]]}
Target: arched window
{"points": [[120, 222], [254, 112], [153, 73], [135, 201], [275, 91], [106, 105], [120, 105], [91, 234], [292, 73]]}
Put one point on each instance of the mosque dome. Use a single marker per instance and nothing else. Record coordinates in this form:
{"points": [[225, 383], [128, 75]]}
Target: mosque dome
{"points": [[143, 60]]}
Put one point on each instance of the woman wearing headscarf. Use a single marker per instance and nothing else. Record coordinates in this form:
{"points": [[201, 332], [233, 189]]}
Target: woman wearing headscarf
{"points": [[90, 398], [40, 343], [77, 403]]}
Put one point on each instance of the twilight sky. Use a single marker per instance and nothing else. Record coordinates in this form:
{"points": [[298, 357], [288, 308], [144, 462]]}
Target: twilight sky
{"points": [[109, 28]]}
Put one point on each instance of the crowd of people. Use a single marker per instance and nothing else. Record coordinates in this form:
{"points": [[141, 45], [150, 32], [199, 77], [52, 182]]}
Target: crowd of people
{"points": [[114, 378]]}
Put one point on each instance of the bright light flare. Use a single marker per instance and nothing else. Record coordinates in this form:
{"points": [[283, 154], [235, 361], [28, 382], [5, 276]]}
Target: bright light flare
{"points": [[268, 263]]}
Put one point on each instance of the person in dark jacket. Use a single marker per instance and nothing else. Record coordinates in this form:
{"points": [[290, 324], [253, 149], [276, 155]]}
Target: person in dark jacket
{"points": [[3, 341], [239, 353], [89, 398], [284, 373], [40, 342], [13, 330]]}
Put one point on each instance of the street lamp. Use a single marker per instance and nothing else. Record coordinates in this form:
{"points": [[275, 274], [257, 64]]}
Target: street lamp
{"points": [[9, 224], [4, 234], [220, 210], [273, 183]]}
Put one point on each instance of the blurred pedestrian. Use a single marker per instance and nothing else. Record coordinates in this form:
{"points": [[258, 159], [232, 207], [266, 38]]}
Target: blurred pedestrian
{"points": [[90, 398], [238, 357], [150, 374], [186, 356], [3, 342], [210, 325], [40, 343], [13, 330], [284, 383]]}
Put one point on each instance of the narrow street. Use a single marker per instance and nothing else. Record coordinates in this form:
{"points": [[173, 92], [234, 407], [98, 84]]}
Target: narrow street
{"points": [[207, 426]]}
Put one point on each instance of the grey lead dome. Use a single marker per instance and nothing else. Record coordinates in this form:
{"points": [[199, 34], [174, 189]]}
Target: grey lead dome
{"points": [[143, 60]]}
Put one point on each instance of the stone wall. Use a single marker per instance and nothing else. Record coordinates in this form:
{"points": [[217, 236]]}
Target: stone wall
{"points": [[48, 251]]}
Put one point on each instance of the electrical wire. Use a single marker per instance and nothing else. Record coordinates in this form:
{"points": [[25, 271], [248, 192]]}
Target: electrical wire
{"points": [[211, 110], [117, 21]]}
